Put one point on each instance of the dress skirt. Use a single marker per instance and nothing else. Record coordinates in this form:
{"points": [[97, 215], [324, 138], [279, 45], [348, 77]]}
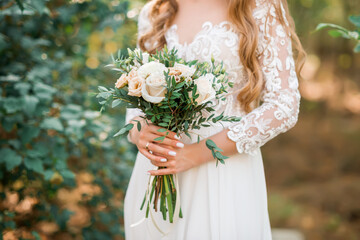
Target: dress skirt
{"points": [[223, 202]]}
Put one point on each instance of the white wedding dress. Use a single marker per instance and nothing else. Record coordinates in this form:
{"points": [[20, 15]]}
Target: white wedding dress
{"points": [[229, 201]]}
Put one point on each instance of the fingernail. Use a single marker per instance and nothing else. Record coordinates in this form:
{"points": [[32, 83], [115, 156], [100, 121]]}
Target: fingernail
{"points": [[163, 160], [172, 153], [180, 145], [148, 173], [177, 137]]}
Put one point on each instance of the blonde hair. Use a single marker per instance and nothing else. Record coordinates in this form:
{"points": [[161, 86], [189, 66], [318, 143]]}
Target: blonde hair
{"points": [[240, 13]]}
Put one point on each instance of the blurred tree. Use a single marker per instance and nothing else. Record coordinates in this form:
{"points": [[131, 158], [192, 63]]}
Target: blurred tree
{"points": [[49, 136]]}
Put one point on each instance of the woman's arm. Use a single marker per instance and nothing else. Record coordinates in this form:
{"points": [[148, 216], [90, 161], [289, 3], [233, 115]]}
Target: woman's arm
{"points": [[280, 102]]}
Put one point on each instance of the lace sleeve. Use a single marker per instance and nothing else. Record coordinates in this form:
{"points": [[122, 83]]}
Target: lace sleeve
{"points": [[143, 26], [280, 97]]}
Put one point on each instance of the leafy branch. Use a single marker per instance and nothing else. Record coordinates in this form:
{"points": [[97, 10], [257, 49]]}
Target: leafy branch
{"points": [[339, 31]]}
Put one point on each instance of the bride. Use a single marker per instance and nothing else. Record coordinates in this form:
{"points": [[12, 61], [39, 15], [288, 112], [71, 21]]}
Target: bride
{"points": [[254, 39]]}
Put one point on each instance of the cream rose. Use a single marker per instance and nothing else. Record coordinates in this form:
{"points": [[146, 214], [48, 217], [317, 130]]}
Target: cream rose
{"points": [[204, 88], [154, 88], [151, 68], [185, 71]]}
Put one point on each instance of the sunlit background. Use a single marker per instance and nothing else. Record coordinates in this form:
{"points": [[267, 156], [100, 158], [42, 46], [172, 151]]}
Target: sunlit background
{"points": [[63, 175]]}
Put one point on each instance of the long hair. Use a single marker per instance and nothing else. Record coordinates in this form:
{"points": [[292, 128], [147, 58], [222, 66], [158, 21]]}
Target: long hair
{"points": [[240, 13]]}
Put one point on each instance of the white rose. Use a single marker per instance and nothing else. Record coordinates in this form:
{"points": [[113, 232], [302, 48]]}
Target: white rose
{"points": [[154, 88], [204, 88], [150, 68], [186, 71]]}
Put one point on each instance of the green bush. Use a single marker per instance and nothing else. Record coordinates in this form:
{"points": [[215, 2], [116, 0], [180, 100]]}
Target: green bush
{"points": [[51, 130]]}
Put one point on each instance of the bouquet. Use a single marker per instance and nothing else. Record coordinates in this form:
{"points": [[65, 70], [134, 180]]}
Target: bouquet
{"points": [[176, 95]]}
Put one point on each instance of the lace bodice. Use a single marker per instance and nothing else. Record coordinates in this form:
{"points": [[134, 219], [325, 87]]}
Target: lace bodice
{"points": [[280, 97]]}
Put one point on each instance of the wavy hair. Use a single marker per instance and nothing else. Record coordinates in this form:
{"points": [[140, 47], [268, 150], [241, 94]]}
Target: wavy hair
{"points": [[240, 13]]}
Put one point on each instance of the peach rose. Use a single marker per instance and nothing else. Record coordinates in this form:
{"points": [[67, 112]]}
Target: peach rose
{"points": [[135, 84], [122, 81]]}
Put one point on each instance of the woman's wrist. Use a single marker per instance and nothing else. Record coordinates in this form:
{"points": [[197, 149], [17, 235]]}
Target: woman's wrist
{"points": [[202, 153]]}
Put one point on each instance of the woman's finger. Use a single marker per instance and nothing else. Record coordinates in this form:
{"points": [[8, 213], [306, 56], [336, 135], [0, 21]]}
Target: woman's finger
{"points": [[168, 142], [160, 149], [164, 171], [159, 164], [152, 157], [163, 132]]}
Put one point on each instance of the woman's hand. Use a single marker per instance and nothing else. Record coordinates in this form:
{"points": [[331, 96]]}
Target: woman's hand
{"points": [[158, 153], [188, 157]]}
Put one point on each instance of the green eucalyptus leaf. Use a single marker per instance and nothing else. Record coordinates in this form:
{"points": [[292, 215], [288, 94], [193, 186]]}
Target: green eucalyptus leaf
{"points": [[124, 130], [357, 48], [210, 144], [160, 139], [355, 20], [115, 103], [138, 126]]}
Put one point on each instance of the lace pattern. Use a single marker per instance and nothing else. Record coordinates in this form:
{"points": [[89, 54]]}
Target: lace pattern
{"points": [[280, 97]]}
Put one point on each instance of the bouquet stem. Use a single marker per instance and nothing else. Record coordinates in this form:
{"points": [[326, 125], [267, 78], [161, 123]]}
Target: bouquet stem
{"points": [[163, 195]]}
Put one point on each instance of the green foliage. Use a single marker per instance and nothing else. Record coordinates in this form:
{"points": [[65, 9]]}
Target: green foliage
{"points": [[49, 127], [338, 31]]}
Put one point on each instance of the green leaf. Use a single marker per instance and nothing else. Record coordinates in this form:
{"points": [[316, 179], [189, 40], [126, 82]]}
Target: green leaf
{"points": [[23, 87], [355, 20], [12, 104], [48, 174], [138, 126], [115, 103], [67, 174], [210, 144], [10, 158], [160, 139], [44, 91], [102, 89], [357, 48], [34, 164], [71, 111], [162, 130], [163, 125], [124, 130], [28, 132], [52, 123], [220, 156], [20, 5], [338, 33], [29, 104], [36, 235]]}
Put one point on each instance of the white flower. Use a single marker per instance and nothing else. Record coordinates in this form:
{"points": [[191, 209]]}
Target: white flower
{"points": [[154, 88], [204, 88], [185, 70], [151, 68]]}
